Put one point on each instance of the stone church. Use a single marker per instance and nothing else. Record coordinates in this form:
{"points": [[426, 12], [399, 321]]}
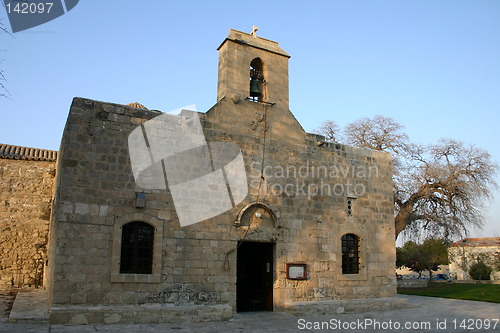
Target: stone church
{"points": [[159, 217]]}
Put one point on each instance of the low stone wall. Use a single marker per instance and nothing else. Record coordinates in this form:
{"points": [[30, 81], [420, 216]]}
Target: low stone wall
{"points": [[139, 314], [413, 283], [345, 306]]}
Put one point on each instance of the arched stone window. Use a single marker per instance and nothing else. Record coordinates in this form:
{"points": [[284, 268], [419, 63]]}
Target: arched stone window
{"points": [[350, 254], [137, 248], [136, 255], [256, 80]]}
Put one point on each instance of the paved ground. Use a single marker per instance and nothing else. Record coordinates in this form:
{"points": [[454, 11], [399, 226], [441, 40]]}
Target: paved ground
{"points": [[428, 315], [6, 300]]}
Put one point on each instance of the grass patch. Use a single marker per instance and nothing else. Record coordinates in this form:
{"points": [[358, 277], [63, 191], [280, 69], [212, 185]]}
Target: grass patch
{"points": [[465, 291]]}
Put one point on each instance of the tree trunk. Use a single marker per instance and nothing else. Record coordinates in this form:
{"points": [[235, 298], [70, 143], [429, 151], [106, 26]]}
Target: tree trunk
{"points": [[399, 223], [402, 219]]}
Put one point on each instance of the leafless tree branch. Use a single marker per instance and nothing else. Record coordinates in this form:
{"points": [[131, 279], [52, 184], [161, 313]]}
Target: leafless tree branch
{"points": [[440, 189], [3, 89], [330, 129], [379, 133]]}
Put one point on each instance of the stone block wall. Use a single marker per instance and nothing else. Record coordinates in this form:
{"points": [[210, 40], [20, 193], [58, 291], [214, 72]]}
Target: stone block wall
{"points": [[197, 264], [95, 191], [304, 195], [286, 170], [26, 188]]}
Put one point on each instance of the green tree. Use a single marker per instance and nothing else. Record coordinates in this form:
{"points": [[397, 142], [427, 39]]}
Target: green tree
{"points": [[406, 256], [480, 271], [423, 257], [496, 257]]}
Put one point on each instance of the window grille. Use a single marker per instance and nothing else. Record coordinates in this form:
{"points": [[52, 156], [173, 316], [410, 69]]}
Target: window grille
{"points": [[137, 248], [350, 254]]}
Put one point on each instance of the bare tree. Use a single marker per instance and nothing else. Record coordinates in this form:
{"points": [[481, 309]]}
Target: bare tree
{"points": [[3, 90], [439, 189], [443, 188], [379, 133], [330, 129]]}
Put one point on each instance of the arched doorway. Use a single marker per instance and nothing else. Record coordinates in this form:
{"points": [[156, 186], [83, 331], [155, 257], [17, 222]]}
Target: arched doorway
{"points": [[255, 260]]}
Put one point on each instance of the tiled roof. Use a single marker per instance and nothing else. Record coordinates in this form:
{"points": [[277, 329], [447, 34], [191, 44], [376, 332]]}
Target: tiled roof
{"points": [[25, 153], [478, 242]]}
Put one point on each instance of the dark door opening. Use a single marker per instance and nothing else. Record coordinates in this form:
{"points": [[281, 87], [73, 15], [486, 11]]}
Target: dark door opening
{"points": [[254, 286]]}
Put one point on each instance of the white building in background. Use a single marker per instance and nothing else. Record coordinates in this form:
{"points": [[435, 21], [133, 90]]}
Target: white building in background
{"points": [[463, 253]]}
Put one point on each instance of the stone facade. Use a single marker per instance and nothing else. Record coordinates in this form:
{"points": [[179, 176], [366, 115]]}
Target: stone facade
{"points": [[26, 187], [304, 195]]}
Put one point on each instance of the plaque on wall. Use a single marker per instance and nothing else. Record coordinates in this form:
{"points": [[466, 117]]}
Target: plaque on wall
{"points": [[296, 271]]}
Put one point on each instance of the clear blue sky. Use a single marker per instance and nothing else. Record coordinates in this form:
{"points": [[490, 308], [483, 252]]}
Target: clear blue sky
{"points": [[433, 66]]}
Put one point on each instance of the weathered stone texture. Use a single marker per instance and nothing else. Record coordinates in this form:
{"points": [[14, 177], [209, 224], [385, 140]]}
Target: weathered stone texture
{"points": [[25, 203], [304, 215]]}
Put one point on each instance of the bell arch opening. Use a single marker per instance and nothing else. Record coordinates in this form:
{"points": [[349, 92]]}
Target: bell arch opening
{"points": [[257, 80]]}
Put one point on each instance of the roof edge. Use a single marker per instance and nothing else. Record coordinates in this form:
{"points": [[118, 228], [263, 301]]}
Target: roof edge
{"points": [[243, 38], [27, 153], [477, 242]]}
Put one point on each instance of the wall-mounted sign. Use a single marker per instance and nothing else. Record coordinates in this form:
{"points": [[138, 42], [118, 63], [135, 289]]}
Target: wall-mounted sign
{"points": [[296, 271]]}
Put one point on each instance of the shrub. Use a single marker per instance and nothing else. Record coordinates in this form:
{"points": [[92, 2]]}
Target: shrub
{"points": [[480, 271]]}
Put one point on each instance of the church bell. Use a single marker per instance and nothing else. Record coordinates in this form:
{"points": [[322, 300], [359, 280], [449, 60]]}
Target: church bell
{"points": [[255, 87], [256, 80]]}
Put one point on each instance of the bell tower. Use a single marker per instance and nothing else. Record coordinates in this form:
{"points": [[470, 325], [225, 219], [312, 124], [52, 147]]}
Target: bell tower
{"points": [[252, 68]]}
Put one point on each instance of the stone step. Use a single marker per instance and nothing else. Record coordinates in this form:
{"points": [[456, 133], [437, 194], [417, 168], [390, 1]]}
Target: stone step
{"points": [[30, 307]]}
